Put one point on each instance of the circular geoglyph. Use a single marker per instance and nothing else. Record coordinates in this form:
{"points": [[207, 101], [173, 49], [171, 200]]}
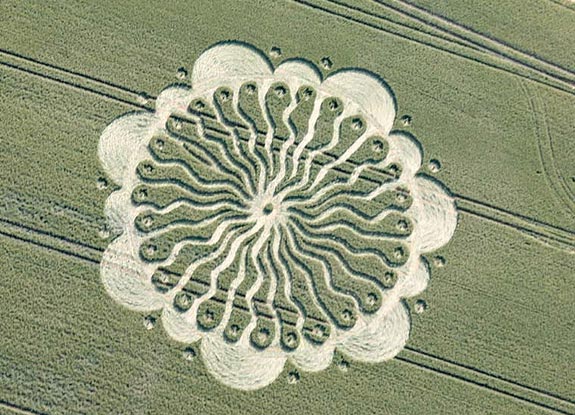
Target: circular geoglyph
{"points": [[271, 214]]}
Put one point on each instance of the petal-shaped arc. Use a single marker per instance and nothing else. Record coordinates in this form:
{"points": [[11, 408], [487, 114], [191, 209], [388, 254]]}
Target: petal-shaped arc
{"points": [[239, 365], [119, 140], [180, 326], [124, 278], [312, 358], [173, 100], [301, 69], [381, 339], [228, 61], [434, 214], [406, 151], [368, 91], [413, 277]]}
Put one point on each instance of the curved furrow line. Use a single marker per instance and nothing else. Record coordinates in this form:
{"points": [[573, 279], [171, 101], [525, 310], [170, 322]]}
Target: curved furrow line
{"points": [[252, 141], [279, 177], [195, 157], [241, 154], [367, 291], [229, 204], [227, 262], [341, 159], [233, 167], [384, 279], [235, 283], [162, 193], [349, 209], [254, 257], [314, 310], [270, 157], [342, 308], [358, 231], [281, 269], [178, 174], [344, 245], [186, 276], [297, 153], [331, 190], [310, 158], [152, 231], [159, 248]]}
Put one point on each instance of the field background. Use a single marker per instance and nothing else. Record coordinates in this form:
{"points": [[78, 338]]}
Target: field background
{"points": [[490, 89]]}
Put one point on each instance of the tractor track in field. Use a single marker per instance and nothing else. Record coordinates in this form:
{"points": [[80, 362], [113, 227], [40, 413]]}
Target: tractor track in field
{"points": [[554, 177], [477, 39], [563, 4], [543, 232], [17, 409], [423, 360], [494, 383], [549, 80]]}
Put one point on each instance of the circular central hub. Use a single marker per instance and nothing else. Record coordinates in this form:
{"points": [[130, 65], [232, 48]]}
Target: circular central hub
{"points": [[269, 208]]}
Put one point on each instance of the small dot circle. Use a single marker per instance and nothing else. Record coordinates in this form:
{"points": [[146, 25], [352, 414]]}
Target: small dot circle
{"points": [[346, 315], [420, 306], [263, 335], [371, 299], [151, 249], [343, 366], [402, 225], [181, 73], [434, 166], [439, 261], [189, 354], [326, 63], [234, 330], [377, 146], [388, 277], [291, 339], [280, 91], [269, 208], [149, 322], [293, 377], [102, 183], [104, 233], [225, 95], [275, 52], [357, 124]]}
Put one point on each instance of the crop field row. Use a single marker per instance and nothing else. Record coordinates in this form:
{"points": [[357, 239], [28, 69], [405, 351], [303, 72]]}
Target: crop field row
{"points": [[489, 106], [481, 102], [410, 355], [416, 24], [109, 350], [73, 248], [537, 229]]}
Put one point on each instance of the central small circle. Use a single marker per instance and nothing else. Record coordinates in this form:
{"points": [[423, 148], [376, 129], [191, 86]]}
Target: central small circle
{"points": [[269, 208]]}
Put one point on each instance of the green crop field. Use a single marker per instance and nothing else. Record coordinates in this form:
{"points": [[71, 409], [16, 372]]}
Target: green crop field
{"points": [[287, 207]]}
